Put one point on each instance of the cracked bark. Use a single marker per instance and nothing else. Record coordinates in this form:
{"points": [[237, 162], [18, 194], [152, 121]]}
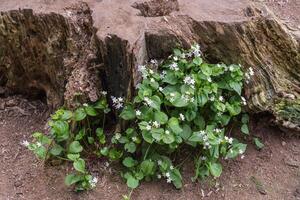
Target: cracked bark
{"points": [[62, 55]]}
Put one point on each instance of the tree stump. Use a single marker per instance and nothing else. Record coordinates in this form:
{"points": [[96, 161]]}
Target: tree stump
{"points": [[71, 51]]}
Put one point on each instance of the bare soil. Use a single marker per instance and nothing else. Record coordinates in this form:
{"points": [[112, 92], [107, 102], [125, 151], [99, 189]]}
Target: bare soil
{"points": [[271, 173]]}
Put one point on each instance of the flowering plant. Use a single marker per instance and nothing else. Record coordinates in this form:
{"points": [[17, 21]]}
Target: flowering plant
{"points": [[182, 101], [71, 132]]}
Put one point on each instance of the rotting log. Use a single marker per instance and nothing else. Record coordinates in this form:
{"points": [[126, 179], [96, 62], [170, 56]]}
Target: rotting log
{"points": [[72, 52]]}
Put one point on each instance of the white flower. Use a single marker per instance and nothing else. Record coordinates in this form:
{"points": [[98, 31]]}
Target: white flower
{"points": [[163, 74], [171, 167], [160, 89], [231, 68], [93, 182], [221, 98], [141, 68], [189, 81], [243, 156], [181, 116], [134, 139], [103, 93], [251, 72], [159, 162], [244, 102], [148, 101], [203, 158], [241, 151], [174, 67], [117, 102], [212, 98], [152, 80], [85, 105], [196, 50], [202, 132], [168, 174], [209, 79], [230, 140], [172, 94], [189, 54], [169, 180], [153, 61], [156, 124], [148, 127], [158, 176], [25, 143], [175, 58], [138, 112], [151, 71], [167, 132], [38, 144], [117, 136], [218, 130]]}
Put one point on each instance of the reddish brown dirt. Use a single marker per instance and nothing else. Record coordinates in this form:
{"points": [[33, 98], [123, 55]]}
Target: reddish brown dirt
{"points": [[276, 167], [273, 171]]}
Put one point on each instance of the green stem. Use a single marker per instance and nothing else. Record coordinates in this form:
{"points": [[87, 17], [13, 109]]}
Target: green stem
{"points": [[146, 154]]}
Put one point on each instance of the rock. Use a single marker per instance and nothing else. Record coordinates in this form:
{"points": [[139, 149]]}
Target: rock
{"points": [[75, 51]]}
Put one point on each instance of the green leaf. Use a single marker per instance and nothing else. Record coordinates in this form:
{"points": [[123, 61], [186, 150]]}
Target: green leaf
{"points": [[186, 133], [114, 154], [245, 129], [170, 78], [176, 178], [130, 147], [202, 99], [215, 169], [199, 121], [132, 182], [258, 143], [100, 135], [73, 157], [128, 113], [66, 115], [56, 150], [129, 162], [155, 102], [91, 140], [245, 119], [104, 151], [90, 111], [160, 117], [157, 133], [41, 152], [236, 87], [80, 134], [206, 69], [71, 179], [173, 123], [197, 61], [147, 136], [79, 165], [147, 167], [79, 114], [168, 138], [75, 147], [234, 109], [196, 137]]}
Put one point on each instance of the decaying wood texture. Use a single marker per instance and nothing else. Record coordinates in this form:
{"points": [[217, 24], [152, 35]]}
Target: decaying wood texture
{"points": [[71, 51]]}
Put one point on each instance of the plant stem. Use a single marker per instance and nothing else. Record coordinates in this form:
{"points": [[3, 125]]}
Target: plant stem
{"points": [[146, 154]]}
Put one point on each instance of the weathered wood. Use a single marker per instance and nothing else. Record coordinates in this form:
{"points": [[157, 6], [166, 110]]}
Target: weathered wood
{"points": [[63, 54]]}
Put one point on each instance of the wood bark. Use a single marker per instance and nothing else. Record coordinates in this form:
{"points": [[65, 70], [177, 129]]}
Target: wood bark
{"points": [[69, 58]]}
